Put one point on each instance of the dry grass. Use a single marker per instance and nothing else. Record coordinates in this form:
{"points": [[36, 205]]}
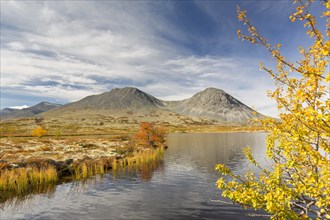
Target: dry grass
{"points": [[145, 156], [46, 148], [146, 161], [22, 149], [114, 122], [39, 174], [2, 164], [88, 168], [86, 122], [20, 180]]}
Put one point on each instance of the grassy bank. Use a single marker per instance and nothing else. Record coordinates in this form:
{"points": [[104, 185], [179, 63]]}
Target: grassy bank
{"points": [[22, 179], [37, 176]]}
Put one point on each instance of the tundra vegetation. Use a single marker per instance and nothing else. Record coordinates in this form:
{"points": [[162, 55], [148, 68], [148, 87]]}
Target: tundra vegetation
{"points": [[22, 171], [297, 186]]}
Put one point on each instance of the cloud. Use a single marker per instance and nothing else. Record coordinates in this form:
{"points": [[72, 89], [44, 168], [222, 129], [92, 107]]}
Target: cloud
{"points": [[234, 75], [73, 49], [19, 107]]}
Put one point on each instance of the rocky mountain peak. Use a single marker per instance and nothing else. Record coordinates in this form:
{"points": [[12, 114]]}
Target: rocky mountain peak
{"points": [[117, 98], [212, 90], [214, 104], [127, 91], [212, 97]]}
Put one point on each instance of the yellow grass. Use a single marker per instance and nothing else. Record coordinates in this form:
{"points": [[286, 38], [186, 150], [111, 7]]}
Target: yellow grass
{"points": [[141, 158], [89, 168], [20, 180]]}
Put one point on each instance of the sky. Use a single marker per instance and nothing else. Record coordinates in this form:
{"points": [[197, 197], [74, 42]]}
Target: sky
{"points": [[62, 51]]}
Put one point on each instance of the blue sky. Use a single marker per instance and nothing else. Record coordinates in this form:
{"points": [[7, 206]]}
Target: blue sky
{"points": [[63, 51]]}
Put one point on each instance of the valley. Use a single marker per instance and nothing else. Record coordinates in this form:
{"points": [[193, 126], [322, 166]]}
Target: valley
{"points": [[123, 109]]}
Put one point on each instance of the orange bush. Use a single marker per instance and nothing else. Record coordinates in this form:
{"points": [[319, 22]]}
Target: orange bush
{"points": [[149, 135], [39, 132]]}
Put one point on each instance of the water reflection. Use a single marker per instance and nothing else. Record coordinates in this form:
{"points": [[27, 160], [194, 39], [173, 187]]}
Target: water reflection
{"points": [[143, 164], [181, 186], [206, 150], [17, 201]]}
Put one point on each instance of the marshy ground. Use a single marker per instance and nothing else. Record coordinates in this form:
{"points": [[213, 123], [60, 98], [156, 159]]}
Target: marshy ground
{"points": [[19, 149], [31, 164]]}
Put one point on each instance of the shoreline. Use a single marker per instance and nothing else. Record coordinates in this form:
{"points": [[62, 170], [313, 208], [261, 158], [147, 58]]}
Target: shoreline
{"points": [[18, 150], [28, 163], [20, 179]]}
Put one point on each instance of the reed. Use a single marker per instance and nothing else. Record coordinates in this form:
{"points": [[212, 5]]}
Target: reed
{"points": [[114, 164], [23, 179], [139, 158], [145, 162], [101, 168], [13, 199], [88, 168]]}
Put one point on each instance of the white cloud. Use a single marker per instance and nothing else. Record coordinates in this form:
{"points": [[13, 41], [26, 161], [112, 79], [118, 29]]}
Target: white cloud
{"points": [[232, 75], [73, 49], [19, 107]]}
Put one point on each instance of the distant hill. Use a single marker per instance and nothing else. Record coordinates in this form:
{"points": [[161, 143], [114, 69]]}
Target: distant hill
{"points": [[211, 104], [215, 104], [132, 104], [128, 98], [8, 113]]}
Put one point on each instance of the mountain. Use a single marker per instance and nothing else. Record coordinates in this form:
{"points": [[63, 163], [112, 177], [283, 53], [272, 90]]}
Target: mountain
{"points": [[9, 113], [214, 104], [128, 98], [131, 105]]}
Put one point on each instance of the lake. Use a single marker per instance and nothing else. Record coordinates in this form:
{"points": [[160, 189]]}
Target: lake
{"points": [[181, 186]]}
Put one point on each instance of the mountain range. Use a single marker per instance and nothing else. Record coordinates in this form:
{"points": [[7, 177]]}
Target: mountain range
{"points": [[210, 104], [10, 113]]}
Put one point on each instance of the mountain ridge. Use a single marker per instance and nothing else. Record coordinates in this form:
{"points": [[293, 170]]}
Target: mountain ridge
{"points": [[211, 104], [9, 113], [124, 98], [215, 104]]}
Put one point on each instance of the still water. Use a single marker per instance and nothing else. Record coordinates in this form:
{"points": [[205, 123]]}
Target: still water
{"points": [[182, 186]]}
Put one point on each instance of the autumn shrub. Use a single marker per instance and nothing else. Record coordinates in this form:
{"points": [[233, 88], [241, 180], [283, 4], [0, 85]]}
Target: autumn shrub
{"points": [[297, 186], [39, 132], [149, 135]]}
